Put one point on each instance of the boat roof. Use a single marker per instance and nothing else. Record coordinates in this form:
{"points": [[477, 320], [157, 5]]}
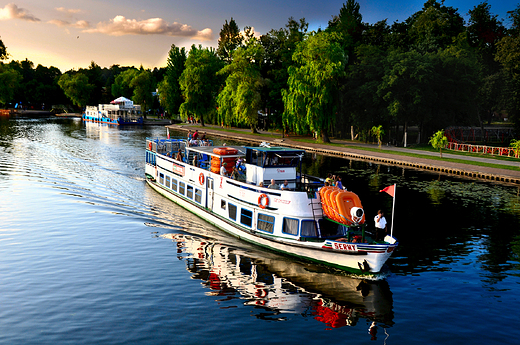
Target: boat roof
{"points": [[273, 149]]}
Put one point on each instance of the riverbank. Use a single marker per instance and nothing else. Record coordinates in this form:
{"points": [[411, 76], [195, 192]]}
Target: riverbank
{"points": [[451, 164]]}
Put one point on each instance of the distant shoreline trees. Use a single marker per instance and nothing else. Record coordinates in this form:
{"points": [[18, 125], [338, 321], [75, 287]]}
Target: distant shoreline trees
{"points": [[430, 71]]}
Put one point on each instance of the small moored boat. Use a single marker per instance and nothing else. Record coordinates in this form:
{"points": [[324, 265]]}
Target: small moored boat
{"points": [[120, 111], [304, 219]]}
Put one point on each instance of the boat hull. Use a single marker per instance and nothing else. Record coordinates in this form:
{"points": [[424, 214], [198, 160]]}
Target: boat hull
{"points": [[365, 259]]}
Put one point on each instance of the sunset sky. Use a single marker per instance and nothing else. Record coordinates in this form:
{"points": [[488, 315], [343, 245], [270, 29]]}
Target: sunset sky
{"points": [[71, 34]]}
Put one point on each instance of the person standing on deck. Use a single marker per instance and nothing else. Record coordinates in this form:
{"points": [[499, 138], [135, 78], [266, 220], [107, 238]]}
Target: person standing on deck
{"points": [[380, 222]]}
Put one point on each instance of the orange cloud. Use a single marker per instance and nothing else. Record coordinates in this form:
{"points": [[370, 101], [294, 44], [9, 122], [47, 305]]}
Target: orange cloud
{"points": [[120, 26], [11, 11]]}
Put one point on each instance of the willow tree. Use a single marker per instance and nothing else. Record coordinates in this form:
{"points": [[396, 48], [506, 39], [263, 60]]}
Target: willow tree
{"points": [[311, 98], [241, 99]]}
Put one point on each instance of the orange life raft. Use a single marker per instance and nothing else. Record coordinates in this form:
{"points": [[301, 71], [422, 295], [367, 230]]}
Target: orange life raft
{"points": [[342, 206]]}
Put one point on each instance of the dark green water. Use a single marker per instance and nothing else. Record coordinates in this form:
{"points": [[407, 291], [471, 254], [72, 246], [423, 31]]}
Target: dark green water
{"points": [[89, 254]]}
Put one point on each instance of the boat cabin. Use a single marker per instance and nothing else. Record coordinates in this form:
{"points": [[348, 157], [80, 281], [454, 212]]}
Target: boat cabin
{"points": [[279, 163]]}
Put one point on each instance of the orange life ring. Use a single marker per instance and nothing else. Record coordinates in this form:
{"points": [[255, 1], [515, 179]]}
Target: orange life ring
{"points": [[261, 199], [201, 179], [150, 146]]}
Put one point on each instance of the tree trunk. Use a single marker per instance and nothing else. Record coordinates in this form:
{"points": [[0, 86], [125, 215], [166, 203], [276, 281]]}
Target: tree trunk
{"points": [[253, 129], [202, 120], [405, 137], [324, 137]]}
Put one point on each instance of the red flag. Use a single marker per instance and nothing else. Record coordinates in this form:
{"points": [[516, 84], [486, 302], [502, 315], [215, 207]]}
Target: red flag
{"points": [[390, 190]]}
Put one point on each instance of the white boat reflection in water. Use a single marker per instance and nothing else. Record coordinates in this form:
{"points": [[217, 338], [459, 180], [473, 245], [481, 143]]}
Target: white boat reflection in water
{"points": [[280, 285]]}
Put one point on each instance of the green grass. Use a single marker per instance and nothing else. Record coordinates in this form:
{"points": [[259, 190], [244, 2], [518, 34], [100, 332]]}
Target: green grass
{"points": [[436, 158]]}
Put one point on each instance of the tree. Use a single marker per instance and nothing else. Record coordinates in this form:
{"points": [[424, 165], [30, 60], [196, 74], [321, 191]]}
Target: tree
{"points": [[143, 85], [76, 87], [9, 81], [348, 24], [439, 141], [241, 99], [311, 98], [3, 51], [508, 55], [170, 95], [229, 40], [435, 26], [378, 132], [199, 83], [279, 46], [515, 145], [121, 85]]}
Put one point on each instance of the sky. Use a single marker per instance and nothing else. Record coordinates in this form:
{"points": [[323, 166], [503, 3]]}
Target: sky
{"points": [[70, 34]]}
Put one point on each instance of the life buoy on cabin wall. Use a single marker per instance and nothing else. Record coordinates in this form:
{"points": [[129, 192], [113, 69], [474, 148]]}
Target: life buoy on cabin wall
{"points": [[201, 179], [263, 201], [150, 146]]}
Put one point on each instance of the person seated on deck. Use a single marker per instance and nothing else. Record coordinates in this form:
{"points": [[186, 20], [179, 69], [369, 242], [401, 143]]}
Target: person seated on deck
{"points": [[285, 186], [196, 160], [179, 156], [223, 170], [261, 184], [273, 185], [195, 135], [235, 174]]}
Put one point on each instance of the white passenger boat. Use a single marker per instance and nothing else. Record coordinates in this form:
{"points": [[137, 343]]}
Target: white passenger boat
{"points": [[306, 220], [121, 111]]}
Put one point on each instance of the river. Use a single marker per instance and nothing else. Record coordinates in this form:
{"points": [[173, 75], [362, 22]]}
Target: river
{"points": [[89, 254]]}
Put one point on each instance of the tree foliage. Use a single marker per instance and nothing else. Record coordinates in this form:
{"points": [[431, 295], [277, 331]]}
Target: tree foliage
{"points": [[439, 141], [240, 99], [170, 95], [9, 81], [310, 100], [229, 40], [199, 83], [76, 87]]}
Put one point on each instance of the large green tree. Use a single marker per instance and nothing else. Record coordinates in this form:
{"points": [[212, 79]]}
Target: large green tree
{"points": [[311, 98], [143, 85], [76, 87], [240, 100], [3, 51], [279, 45], [199, 83], [170, 95], [229, 40], [9, 81]]}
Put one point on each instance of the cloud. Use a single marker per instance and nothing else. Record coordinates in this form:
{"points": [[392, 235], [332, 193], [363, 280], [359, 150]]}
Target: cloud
{"points": [[68, 10], [11, 11], [80, 24], [120, 26]]}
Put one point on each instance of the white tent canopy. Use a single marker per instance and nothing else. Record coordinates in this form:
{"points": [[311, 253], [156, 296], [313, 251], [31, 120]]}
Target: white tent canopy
{"points": [[122, 100]]}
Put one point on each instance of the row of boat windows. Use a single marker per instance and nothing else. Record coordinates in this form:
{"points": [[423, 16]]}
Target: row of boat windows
{"points": [[181, 187], [266, 222]]}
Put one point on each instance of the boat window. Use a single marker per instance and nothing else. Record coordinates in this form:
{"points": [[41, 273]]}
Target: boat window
{"points": [[246, 217], [189, 192], [290, 226], [265, 223], [167, 181], [309, 228], [174, 184], [182, 186], [223, 204], [161, 178], [329, 228], [198, 195], [232, 209]]}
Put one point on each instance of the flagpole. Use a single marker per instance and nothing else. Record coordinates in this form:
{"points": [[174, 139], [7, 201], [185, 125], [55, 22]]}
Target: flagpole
{"points": [[393, 209]]}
